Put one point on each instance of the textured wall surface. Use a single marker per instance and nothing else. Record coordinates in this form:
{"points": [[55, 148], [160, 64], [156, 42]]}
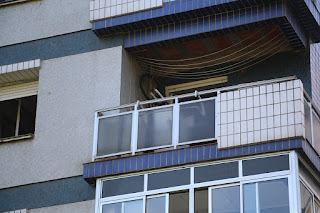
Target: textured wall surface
{"points": [[315, 73], [46, 194], [71, 89], [261, 113], [130, 75], [40, 19]]}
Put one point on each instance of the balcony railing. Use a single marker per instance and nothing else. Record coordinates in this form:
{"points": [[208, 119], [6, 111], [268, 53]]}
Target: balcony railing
{"points": [[169, 122], [205, 116]]}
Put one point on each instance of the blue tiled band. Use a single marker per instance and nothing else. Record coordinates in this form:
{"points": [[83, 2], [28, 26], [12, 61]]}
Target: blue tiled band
{"points": [[94, 170], [51, 193]]}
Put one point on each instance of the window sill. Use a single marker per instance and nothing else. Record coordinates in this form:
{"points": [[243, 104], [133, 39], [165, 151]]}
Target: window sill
{"points": [[16, 138], [12, 2]]}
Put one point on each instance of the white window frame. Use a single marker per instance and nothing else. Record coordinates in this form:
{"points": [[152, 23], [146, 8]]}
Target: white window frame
{"points": [[290, 174]]}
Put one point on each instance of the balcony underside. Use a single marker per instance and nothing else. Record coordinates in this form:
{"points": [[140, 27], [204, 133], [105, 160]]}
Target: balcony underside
{"points": [[144, 32]]}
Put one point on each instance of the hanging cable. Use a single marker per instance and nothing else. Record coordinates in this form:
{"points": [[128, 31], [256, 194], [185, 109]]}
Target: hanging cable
{"points": [[203, 56]]}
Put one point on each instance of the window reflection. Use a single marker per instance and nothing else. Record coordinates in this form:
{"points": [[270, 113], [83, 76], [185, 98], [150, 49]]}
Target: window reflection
{"points": [[179, 202], [155, 128], [226, 200], [201, 201], [197, 121], [306, 200], [268, 196], [156, 204]]}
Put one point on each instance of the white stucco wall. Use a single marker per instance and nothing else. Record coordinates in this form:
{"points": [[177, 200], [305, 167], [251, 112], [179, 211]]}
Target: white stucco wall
{"points": [[71, 89], [37, 19], [130, 76]]}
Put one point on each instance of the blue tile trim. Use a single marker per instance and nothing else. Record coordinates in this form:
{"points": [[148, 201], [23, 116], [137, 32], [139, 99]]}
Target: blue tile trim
{"points": [[58, 46], [51, 193], [192, 155]]}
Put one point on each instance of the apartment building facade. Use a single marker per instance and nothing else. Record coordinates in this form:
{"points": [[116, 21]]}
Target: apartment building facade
{"points": [[160, 106]]}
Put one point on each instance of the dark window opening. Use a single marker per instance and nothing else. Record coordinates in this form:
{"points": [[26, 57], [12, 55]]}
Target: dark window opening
{"points": [[17, 116]]}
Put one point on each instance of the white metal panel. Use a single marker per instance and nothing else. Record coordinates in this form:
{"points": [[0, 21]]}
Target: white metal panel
{"points": [[19, 91]]}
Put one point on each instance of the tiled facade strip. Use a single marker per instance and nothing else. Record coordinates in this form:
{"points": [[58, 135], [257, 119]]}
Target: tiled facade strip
{"points": [[26, 65], [94, 170], [169, 8]]}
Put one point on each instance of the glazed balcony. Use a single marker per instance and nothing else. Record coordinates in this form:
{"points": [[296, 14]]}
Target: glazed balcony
{"points": [[231, 116]]}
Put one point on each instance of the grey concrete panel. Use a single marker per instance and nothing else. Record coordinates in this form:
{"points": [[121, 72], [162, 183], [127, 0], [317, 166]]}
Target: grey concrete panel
{"points": [[46, 194], [71, 89], [42, 18], [79, 207]]}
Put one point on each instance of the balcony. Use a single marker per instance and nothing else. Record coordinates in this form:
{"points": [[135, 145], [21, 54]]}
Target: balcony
{"points": [[231, 116]]}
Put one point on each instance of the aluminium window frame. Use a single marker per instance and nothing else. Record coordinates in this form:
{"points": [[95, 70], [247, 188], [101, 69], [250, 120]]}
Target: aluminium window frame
{"points": [[290, 174]]}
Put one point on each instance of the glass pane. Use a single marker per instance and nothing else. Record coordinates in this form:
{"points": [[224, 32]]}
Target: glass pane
{"points": [[197, 121], [317, 207], [179, 202], [249, 198], [8, 118], [201, 201], [28, 115], [156, 205], [265, 165], [316, 132], [134, 206], [112, 208], [216, 172], [307, 121], [114, 134], [122, 186], [306, 200], [226, 200], [274, 196], [168, 179], [155, 128]]}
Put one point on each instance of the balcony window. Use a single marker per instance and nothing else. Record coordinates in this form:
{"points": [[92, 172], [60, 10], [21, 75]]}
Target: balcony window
{"points": [[157, 204], [114, 135], [197, 121], [155, 128], [267, 197], [133, 206], [225, 199]]}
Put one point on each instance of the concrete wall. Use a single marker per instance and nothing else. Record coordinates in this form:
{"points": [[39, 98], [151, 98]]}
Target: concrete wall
{"points": [[70, 90], [42, 18], [79, 207], [130, 76]]}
